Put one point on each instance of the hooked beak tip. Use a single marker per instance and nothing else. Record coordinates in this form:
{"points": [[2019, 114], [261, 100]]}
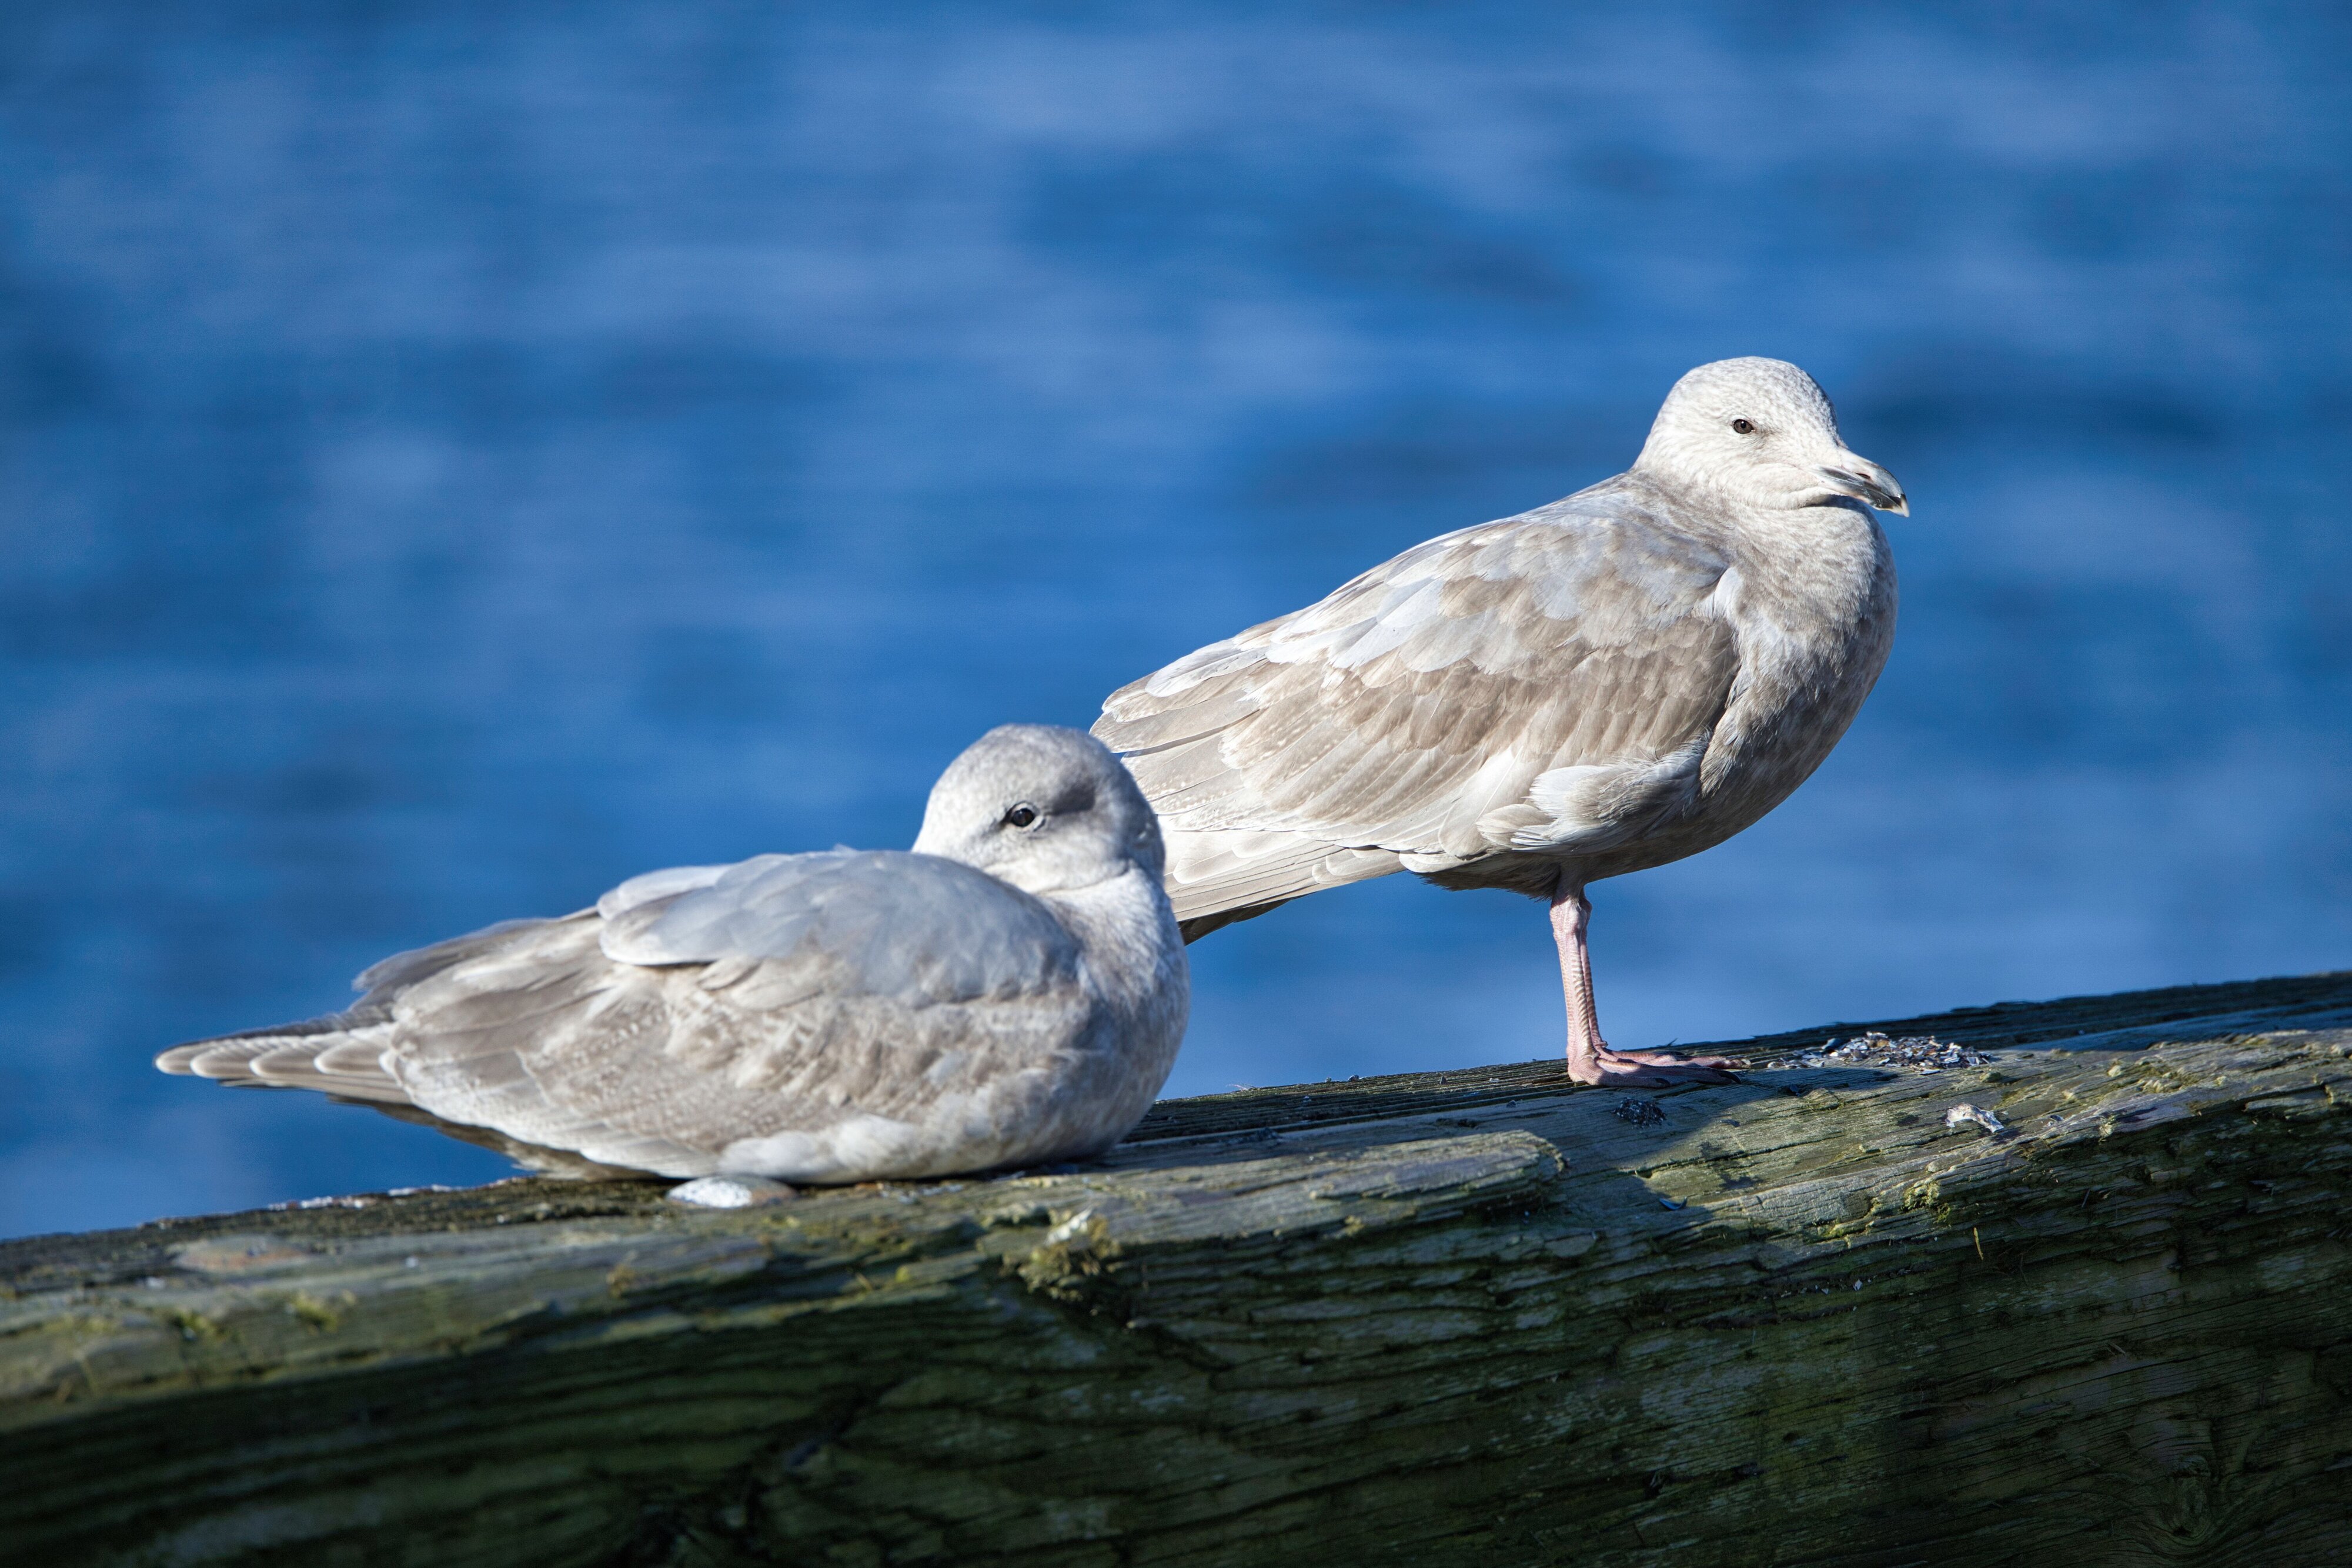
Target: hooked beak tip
{"points": [[1875, 487]]}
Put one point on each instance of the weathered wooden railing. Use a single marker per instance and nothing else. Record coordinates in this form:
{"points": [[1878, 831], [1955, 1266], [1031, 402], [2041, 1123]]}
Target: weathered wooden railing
{"points": [[1475, 1317]]}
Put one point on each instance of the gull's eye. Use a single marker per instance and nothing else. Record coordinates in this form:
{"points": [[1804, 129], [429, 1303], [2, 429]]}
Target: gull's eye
{"points": [[1021, 815], [1745, 427]]}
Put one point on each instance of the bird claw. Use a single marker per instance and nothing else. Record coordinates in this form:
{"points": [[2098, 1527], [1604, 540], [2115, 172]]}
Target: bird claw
{"points": [[1647, 1068]]}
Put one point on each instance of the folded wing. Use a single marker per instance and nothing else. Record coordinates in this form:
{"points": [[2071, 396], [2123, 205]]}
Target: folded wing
{"points": [[702, 1008], [1549, 681]]}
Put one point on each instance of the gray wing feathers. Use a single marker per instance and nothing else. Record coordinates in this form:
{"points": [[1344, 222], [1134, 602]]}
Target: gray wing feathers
{"points": [[915, 928], [561, 1045], [1221, 876], [403, 970], [668, 884], [833, 984], [341, 1053], [1548, 680]]}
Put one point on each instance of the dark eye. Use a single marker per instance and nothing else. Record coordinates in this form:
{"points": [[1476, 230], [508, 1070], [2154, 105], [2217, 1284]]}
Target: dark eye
{"points": [[1021, 817], [1744, 427]]}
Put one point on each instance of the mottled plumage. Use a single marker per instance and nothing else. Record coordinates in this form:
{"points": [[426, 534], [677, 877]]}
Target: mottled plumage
{"points": [[1604, 684], [1011, 991]]}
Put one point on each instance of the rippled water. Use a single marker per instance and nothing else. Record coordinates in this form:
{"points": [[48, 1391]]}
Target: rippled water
{"points": [[453, 458]]}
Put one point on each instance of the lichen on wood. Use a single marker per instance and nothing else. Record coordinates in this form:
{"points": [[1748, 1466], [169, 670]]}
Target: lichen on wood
{"points": [[1479, 1316]]}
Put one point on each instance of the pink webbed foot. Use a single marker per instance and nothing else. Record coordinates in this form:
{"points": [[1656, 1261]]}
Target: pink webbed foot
{"points": [[1590, 1059], [1647, 1069]]}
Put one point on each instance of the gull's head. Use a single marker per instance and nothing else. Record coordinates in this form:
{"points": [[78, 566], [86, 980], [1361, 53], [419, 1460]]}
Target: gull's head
{"points": [[1761, 432], [1045, 809]]}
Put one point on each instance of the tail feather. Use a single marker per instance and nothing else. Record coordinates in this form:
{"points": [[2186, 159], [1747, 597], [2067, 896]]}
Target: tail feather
{"points": [[342, 1052], [342, 1055], [1215, 878], [363, 1057], [296, 1056]]}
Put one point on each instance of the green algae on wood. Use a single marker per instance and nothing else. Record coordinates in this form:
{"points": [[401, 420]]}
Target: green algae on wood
{"points": [[1469, 1317]]}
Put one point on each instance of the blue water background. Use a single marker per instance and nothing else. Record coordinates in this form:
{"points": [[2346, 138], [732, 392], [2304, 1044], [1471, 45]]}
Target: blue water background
{"points": [[454, 456]]}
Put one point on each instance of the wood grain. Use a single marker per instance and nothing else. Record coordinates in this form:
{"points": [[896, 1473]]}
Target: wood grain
{"points": [[1470, 1317]]}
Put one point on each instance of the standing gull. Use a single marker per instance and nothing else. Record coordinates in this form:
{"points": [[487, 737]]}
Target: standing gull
{"points": [[1011, 991], [1605, 684]]}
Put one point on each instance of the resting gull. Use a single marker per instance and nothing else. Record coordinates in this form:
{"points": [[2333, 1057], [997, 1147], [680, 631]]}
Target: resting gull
{"points": [[1602, 685], [1011, 991]]}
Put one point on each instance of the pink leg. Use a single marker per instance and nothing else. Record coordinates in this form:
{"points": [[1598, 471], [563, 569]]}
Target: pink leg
{"points": [[1590, 1059]]}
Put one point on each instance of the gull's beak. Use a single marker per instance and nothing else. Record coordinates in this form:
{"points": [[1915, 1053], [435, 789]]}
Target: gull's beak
{"points": [[1866, 482]]}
